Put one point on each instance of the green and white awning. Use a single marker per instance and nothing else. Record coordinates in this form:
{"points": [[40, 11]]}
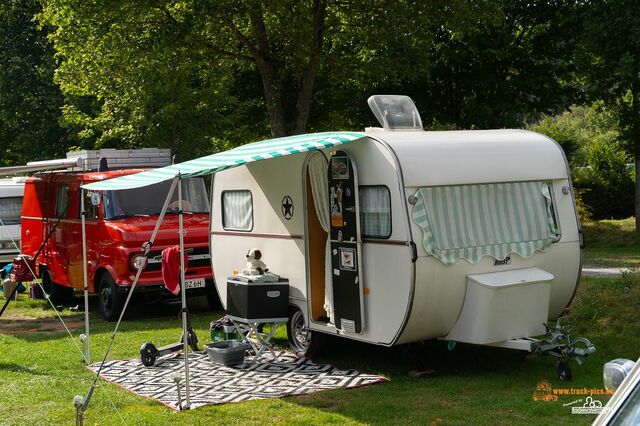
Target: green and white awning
{"points": [[473, 221], [225, 160]]}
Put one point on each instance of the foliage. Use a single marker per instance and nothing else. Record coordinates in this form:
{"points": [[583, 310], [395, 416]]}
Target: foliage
{"points": [[602, 169], [609, 179], [585, 214], [29, 100], [609, 58], [184, 74]]}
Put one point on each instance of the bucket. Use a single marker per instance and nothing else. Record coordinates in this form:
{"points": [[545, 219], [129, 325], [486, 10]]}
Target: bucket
{"points": [[226, 352]]}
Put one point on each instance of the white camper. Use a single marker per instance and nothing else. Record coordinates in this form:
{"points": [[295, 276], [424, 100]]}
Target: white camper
{"points": [[11, 191], [405, 235]]}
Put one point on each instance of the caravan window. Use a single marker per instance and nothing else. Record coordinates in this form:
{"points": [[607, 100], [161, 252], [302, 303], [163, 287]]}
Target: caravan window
{"points": [[237, 210], [10, 210], [473, 221], [62, 201], [375, 211]]}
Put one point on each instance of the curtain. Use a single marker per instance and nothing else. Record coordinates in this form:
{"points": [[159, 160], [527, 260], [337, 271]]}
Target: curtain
{"points": [[10, 210], [473, 221], [318, 166], [319, 188], [237, 209], [375, 211]]}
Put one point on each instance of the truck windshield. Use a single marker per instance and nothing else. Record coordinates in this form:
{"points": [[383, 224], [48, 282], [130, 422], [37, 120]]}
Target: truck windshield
{"points": [[148, 200], [10, 210]]}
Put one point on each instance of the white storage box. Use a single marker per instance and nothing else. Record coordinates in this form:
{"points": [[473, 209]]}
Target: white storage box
{"points": [[503, 305]]}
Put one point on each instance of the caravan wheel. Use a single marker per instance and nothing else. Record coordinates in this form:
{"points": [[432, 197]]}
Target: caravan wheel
{"points": [[302, 341]]}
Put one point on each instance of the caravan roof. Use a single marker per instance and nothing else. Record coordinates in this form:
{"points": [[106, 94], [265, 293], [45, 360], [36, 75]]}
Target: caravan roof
{"points": [[470, 156]]}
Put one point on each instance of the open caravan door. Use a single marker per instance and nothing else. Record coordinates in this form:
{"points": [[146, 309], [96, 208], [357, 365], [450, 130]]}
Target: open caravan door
{"points": [[346, 246]]}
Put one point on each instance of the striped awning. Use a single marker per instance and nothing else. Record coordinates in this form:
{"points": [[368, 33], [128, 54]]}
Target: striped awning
{"points": [[225, 160], [473, 221]]}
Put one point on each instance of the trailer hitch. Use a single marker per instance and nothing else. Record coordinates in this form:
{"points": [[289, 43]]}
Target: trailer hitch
{"points": [[560, 343]]}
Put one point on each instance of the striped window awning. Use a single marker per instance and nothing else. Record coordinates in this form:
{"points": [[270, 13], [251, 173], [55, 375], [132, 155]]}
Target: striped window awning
{"points": [[473, 221], [225, 160]]}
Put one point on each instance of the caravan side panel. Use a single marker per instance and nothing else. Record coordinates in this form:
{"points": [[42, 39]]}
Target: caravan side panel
{"points": [[279, 239]]}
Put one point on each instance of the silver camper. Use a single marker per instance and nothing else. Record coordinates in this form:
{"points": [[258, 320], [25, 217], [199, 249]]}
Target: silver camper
{"points": [[11, 191]]}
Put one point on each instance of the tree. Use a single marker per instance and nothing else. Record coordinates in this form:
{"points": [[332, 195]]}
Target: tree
{"points": [[610, 61], [29, 100], [503, 71], [183, 73]]}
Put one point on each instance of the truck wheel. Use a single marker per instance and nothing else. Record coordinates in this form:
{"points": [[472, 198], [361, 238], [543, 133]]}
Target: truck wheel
{"points": [[58, 294], [109, 299], [302, 341]]}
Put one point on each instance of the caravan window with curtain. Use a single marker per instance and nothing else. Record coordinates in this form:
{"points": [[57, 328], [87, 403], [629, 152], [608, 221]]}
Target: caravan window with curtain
{"points": [[10, 210], [237, 210], [473, 221], [375, 211]]}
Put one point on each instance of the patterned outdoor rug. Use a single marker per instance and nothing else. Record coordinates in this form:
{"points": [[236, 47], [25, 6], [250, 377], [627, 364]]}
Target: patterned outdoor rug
{"points": [[215, 384]]}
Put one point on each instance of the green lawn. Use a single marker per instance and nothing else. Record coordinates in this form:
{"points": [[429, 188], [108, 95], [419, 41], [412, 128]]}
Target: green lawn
{"points": [[41, 372], [612, 243]]}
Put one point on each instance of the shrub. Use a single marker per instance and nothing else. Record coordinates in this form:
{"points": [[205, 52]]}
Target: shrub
{"points": [[607, 181], [601, 168]]}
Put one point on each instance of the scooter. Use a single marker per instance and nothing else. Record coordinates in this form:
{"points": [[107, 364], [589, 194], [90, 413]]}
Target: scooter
{"points": [[149, 354]]}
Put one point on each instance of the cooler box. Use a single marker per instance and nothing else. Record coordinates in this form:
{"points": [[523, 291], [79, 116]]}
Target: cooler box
{"points": [[250, 301], [505, 305]]}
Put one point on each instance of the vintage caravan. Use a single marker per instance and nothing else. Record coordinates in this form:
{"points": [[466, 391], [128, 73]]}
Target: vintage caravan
{"points": [[404, 235], [11, 191]]}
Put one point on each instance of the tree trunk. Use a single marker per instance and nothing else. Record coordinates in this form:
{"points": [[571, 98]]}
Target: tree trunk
{"points": [[261, 55], [273, 97], [636, 152], [635, 135], [307, 83]]}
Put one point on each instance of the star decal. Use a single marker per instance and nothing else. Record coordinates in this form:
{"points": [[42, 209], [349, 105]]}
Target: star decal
{"points": [[287, 207]]}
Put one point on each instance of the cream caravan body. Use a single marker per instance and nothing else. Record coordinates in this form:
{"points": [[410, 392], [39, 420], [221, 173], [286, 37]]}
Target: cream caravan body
{"points": [[406, 293]]}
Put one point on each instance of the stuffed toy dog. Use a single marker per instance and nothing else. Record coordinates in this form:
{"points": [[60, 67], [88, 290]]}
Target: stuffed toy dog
{"points": [[254, 264]]}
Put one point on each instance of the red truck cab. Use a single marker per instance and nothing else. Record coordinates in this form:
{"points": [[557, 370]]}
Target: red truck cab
{"points": [[118, 224]]}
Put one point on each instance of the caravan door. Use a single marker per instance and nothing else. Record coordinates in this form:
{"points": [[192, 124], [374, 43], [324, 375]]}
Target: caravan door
{"points": [[346, 265]]}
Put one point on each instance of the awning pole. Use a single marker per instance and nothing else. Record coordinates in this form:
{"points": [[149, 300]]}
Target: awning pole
{"points": [[83, 213], [146, 249], [185, 339]]}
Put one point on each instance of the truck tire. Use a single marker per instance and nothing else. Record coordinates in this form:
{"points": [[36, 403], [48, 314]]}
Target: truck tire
{"points": [[58, 294], [109, 298], [302, 341]]}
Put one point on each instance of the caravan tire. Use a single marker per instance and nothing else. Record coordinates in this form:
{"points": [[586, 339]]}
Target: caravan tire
{"points": [[58, 294], [302, 341], [109, 298]]}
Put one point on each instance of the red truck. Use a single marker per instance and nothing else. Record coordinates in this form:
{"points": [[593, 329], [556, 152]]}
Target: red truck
{"points": [[118, 223]]}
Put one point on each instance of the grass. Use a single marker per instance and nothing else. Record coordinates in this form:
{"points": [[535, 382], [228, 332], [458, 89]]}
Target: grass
{"points": [[41, 372], [612, 243]]}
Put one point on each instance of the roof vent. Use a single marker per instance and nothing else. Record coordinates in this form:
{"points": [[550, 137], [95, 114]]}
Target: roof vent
{"points": [[395, 112]]}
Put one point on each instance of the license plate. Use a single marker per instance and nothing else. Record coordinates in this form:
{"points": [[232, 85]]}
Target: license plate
{"points": [[195, 283]]}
